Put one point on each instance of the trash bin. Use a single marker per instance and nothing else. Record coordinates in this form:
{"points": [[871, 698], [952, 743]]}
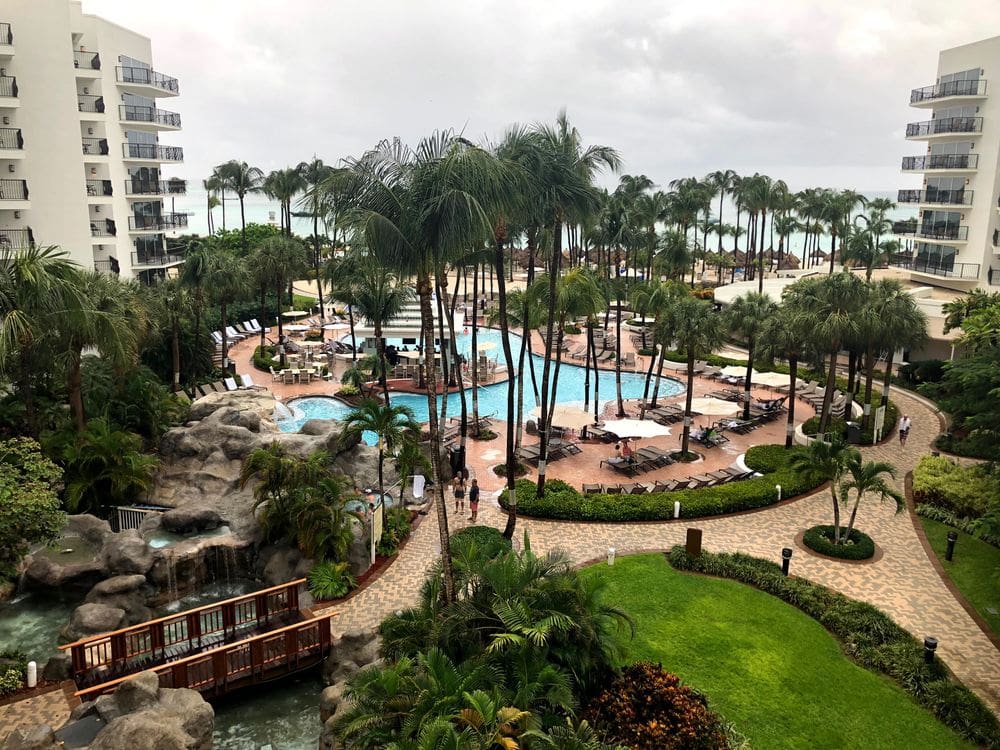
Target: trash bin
{"points": [[853, 433]]}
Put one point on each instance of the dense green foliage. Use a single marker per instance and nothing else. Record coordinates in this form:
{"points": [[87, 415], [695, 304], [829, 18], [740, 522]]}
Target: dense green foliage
{"points": [[330, 580], [395, 529], [838, 426], [13, 671], [29, 503], [856, 546], [973, 527], [969, 491], [869, 636], [565, 502], [487, 541], [647, 708], [974, 567], [263, 359]]}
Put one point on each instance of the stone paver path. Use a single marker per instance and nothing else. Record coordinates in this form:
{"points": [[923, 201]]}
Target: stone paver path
{"points": [[903, 583], [50, 708]]}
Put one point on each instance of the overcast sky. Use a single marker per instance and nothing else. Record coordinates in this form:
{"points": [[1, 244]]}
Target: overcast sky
{"points": [[811, 91]]}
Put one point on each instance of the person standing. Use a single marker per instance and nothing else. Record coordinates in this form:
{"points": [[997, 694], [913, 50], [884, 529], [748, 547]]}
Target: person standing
{"points": [[459, 488], [904, 429], [474, 500]]}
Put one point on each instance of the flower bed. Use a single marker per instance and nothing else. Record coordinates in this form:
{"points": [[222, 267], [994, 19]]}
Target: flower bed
{"points": [[561, 501], [858, 547]]}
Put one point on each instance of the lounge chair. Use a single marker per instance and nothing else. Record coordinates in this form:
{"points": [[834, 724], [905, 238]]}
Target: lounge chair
{"points": [[217, 337], [611, 489], [234, 334], [628, 487], [598, 433], [246, 383], [230, 384], [591, 489], [605, 356], [664, 486]]}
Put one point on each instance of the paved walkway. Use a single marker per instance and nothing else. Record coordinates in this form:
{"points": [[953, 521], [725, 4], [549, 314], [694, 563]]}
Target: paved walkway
{"points": [[903, 583]]}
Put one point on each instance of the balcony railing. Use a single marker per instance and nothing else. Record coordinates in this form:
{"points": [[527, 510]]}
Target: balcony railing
{"points": [[107, 266], [105, 228], [13, 190], [8, 86], [996, 238], [951, 197], [950, 270], [99, 187], [944, 125], [156, 259], [87, 60], [137, 113], [146, 77], [952, 88], [6, 35], [163, 222], [155, 187], [88, 103], [16, 239], [95, 146], [938, 232], [940, 161], [152, 151], [11, 139]]}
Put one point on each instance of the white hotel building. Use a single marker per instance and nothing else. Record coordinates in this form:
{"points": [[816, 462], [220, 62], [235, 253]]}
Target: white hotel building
{"points": [[80, 140], [956, 240]]}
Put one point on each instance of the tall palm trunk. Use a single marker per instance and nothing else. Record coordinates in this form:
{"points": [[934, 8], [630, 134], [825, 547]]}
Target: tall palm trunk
{"points": [[243, 224], [618, 356], [354, 340], [760, 261], [543, 431], [508, 357], [263, 314], [424, 290], [649, 374], [223, 204], [597, 379], [474, 354], [824, 418], [833, 246], [793, 371], [175, 349], [225, 338], [659, 376], [869, 380], [836, 513], [74, 385], [852, 381], [446, 363], [380, 356], [751, 345], [586, 365], [316, 261], [686, 436], [520, 393]]}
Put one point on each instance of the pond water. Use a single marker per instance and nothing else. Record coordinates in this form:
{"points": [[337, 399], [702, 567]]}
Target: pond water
{"points": [[31, 623], [492, 398], [283, 716], [160, 538], [68, 550]]}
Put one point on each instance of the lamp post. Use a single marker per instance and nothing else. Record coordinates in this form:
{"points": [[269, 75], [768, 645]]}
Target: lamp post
{"points": [[786, 558], [950, 551], [930, 646]]}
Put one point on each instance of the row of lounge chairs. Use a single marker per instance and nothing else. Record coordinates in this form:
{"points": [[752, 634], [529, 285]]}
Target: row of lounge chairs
{"points": [[240, 331], [708, 479], [814, 397], [642, 459], [557, 448], [239, 383]]}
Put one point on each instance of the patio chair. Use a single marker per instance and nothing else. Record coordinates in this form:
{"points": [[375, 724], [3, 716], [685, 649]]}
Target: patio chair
{"points": [[637, 489], [287, 377], [611, 489], [664, 486], [230, 384], [605, 356], [591, 489], [629, 360], [246, 383], [275, 376], [199, 391], [217, 337]]}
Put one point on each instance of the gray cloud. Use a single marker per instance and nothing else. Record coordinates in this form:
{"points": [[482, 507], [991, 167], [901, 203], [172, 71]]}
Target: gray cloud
{"points": [[812, 92]]}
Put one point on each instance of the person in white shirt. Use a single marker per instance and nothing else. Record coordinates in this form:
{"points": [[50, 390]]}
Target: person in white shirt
{"points": [[904, 429]]}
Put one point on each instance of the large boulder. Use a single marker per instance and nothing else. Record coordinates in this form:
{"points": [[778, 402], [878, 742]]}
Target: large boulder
{"points": [[143, 731], [351, 652], [127, 555], [256, 406], [281, 563], [48, 570], [129, 593], [92, 619], [190, 520], [31, 738]]}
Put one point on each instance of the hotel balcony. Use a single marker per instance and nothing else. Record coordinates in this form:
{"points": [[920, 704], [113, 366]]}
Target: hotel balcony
{"points": [[931, 95], [936, 197], [155, 187], [6, 40], [969, 271], [944, 126], [11, 143], [161, 223], [8, 92], [14, 194], [16, 239], [95, 146], [109, 266], [157, 118], [88, 103], [86, 63], [152, 152], [99, 188], [156, 260], [933, 232], [942, 162], [146, 81], [103, 228]]}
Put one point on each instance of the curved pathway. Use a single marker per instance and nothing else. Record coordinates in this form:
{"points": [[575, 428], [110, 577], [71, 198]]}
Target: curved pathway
{"points": [[903, 583]]}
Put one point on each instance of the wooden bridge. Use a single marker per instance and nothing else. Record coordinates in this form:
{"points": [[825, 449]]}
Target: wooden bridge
{"points": [[214, 649]]}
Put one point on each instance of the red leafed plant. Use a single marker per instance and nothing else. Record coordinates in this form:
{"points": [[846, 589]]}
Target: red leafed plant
{"points": [[647, 708]]}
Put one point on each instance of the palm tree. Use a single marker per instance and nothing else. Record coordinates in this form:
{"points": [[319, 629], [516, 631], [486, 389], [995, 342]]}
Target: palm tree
{"points": [[901, 325], [866, 478], [394, 425], [826, 462], [211, 186], [673, 254], [722, 181], [747, 316], [418, 209], [227, 280], [193, 275], [242, 179], [785, 225], [283, 185], [314, 175], [276, 261], [695, 329], [787, 334], [169, 300]]}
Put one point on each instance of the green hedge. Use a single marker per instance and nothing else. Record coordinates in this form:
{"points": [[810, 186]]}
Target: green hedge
{"points": [[966, 447], [485, 538], [964, 490], [820, 539], [561, 501], [264, 360], [870, 637], [837, 425]]}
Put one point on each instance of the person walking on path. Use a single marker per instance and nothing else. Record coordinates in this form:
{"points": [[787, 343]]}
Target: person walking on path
{"points": [[474, 500], [459, 487], [904, 429]]}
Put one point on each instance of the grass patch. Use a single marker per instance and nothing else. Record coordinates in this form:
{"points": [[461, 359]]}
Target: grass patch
{"points": [[975, 569], [858, 547], [772, 670]]}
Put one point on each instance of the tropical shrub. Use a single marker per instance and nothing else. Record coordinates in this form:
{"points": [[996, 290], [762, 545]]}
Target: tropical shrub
{"points": [[519, 470], [913, 374], [564, 502], [869, 636], [395, 529], [134, 401], [489, 541], [967, 392], [968, 491], [647, 708], [263, 358], [29, 503], [330, 580], [838, 425], [973, 527], [857, 546], [571, 329], [13, 671]]}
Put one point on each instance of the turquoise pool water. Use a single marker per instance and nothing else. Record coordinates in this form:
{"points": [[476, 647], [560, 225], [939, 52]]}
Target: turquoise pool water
{"points": [[492, 398]]}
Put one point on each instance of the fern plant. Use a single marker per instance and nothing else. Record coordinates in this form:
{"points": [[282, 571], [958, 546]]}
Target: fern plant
{"points": [[330, 580]]}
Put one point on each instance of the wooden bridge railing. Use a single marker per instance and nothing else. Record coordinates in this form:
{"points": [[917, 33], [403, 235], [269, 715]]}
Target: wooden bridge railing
{"points": [[230, 667], [156, 641]]}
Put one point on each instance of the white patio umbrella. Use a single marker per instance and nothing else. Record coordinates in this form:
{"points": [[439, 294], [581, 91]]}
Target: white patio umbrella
{"points": [[566, 416], [295, 328], [294, 314], [709, 405], [737, 371], [636, 428], [776, 379], [336, 327]]}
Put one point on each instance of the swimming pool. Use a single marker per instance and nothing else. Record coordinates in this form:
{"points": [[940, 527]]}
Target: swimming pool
{"points": [[492, 398]]}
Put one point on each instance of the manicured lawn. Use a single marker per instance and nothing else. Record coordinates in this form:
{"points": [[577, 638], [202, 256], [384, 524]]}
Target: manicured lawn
{"points": [[975, 569], [774, 672]]}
